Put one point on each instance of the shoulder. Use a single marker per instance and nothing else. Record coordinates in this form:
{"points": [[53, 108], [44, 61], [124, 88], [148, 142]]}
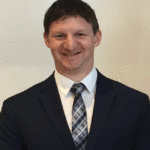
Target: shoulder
{"points": [[121, 90], [130, 98], [128, 92], [29, 96]]}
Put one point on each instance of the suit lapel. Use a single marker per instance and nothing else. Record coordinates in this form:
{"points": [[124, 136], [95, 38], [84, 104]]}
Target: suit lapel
{"points": [[103, 101], [104, 98], [51, 101]]}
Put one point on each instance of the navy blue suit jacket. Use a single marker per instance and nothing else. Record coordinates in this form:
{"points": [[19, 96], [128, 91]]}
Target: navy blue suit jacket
{"points": [[34, 119]]}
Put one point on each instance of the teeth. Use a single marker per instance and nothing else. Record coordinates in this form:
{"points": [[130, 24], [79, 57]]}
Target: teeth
{"points": [[71, 54], [77, 53]]}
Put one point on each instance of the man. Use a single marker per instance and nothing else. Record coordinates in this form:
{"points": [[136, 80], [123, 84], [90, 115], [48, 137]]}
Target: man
{"points": [[76, 107]]}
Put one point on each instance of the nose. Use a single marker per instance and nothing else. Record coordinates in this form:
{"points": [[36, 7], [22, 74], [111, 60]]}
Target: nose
{"points": [[70, 43]]}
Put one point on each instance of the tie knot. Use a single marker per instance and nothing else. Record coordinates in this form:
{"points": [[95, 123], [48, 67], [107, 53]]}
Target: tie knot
{"points": [[77, 88]]}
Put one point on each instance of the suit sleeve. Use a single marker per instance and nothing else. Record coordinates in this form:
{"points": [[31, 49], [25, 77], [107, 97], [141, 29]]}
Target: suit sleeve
{"points": [[9, 135], [143, 132]]}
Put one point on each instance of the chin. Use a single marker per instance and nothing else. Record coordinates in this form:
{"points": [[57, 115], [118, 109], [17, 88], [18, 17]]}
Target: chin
{"points": [[72, 68]]}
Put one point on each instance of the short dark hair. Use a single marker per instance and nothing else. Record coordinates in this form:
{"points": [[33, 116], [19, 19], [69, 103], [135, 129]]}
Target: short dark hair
{"points": [[64, 8]]}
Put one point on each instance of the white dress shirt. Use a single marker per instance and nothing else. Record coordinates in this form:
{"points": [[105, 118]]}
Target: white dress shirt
{"points": [[64, 85]]}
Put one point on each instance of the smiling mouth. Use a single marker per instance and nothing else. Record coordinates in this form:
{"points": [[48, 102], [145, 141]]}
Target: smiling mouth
{"points": [[71, 54]]}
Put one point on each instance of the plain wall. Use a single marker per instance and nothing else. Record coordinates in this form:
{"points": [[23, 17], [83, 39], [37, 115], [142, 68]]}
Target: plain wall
{"points": [[123, 55]]}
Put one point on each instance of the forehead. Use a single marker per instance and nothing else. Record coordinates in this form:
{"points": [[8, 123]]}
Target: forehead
{"points": [[70, 23]]}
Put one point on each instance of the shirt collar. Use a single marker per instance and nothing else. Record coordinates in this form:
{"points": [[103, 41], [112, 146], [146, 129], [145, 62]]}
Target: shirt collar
{"points": [[90, 80], [64, 84]]}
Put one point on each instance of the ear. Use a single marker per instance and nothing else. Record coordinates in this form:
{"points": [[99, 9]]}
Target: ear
{"points": [[46, 40], [98, 37]]}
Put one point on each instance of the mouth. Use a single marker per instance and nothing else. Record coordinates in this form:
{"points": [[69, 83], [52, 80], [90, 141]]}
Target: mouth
{"points": [[71, 54]]}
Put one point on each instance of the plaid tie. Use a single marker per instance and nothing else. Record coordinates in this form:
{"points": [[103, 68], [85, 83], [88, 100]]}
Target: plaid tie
{"points": [[79, 118]]}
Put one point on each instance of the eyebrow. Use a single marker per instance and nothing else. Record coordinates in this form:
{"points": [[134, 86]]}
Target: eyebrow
{"points": [[61, 31], [81, 30]]}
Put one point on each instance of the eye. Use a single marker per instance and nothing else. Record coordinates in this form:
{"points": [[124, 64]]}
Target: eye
{"points": [[59, 35], [81, 34]]}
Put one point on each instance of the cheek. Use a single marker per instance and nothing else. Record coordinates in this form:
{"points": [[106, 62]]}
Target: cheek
{"points": [[88, 45], [58, 43], [85, 44], [56, 51], [55, 43], [56, 46]]}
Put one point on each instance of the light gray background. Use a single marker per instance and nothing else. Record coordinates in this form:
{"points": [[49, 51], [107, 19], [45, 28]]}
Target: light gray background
{"points": [[123, 55]]}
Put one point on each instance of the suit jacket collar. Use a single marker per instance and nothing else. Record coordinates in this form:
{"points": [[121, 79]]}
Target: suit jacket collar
{"points": [[103, 101], [50, 100]]}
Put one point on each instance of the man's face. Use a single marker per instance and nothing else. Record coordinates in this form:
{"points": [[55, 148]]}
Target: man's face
{"points": [[72, 44]]}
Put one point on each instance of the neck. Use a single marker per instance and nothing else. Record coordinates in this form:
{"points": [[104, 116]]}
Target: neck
{"points": [[75, 75]]}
